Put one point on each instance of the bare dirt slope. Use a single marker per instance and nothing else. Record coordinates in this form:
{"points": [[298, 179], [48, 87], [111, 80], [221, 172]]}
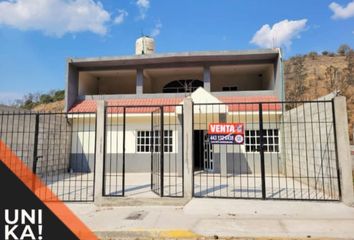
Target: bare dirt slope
{"points": [[50, 107], [316, 81]]}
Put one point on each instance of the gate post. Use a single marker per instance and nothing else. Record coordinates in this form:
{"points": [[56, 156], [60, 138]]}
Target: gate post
{"points": [[100, 151], [188, 147], [343, 149]]}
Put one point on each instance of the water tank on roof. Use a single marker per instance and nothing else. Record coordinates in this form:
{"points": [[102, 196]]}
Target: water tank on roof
{"points": [[144, 45]]}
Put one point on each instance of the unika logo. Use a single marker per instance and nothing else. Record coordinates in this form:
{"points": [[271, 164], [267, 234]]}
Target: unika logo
{"points": [[21, 224]]}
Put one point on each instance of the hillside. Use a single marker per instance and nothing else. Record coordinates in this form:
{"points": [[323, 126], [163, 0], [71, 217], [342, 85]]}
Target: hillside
{"points": [[57, 106], [317, 80]]}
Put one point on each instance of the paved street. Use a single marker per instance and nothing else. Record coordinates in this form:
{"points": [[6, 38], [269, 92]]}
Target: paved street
{"points": [[222, 218]]}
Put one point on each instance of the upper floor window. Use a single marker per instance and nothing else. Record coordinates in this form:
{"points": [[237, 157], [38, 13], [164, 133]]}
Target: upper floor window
{"points": [[182, 86]]}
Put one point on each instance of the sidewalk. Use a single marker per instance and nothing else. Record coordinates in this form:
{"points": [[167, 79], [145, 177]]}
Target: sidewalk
{"points": [[222, 218]]}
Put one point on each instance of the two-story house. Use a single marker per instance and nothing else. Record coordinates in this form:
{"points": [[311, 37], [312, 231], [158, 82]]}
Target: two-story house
{"points": [[148, 78]]}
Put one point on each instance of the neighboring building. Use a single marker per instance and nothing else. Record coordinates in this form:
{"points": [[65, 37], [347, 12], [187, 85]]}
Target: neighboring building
{"points": [[162, 79]]}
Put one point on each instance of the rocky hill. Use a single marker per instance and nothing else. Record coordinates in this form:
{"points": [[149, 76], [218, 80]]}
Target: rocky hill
{"points": [[319, 75]]}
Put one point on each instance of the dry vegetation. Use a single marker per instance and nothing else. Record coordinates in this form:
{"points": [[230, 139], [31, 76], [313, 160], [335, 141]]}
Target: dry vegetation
{"points": [[50, 107], [319, 75]]}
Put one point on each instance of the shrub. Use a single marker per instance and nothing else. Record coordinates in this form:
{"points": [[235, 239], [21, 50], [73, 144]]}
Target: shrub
{"points": [[313, 55], [325, 53], [343, 49]]}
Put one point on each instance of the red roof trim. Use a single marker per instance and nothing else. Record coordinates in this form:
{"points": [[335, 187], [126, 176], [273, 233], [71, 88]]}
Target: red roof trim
{"points": [[244, 103]]}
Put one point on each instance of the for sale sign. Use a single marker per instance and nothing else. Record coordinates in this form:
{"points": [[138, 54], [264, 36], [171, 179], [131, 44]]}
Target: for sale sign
{"points": [[226, 133]]}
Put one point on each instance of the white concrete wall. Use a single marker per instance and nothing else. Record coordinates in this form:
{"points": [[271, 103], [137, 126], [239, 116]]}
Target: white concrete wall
{"points": [[139, 161], [83, 136], [114, 139], [83, 143]]}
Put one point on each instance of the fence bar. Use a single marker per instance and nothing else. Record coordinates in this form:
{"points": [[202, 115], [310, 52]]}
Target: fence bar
{"points": [[261, 150], [162, 150]]}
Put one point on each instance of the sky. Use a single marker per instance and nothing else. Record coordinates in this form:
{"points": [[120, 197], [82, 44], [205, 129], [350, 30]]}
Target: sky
{"points": [[37, 36]]}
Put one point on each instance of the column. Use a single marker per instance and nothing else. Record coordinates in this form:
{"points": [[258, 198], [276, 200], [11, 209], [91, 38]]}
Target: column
{"points": [[100, 151], [206, 78], [139, 81], [188, 147], [343, 148]]}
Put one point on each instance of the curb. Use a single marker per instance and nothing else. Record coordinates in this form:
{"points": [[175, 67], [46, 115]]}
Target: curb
{"points": [[145, 234], [148, 234]]}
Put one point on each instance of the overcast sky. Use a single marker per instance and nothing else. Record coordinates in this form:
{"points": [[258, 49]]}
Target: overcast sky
{"points": [[36, 36]]}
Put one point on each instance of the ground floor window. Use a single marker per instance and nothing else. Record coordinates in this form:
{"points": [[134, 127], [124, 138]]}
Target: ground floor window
{"points": [[270, 137], [144, 141]]}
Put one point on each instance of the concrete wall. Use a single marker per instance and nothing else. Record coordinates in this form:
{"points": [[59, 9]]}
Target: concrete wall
{"points": [[308, 146], [268, 79], [71, 86], [245, 81], [123, 82], [88, 84], [53, 144], [279, 78], [53, 149], [17, 132]]}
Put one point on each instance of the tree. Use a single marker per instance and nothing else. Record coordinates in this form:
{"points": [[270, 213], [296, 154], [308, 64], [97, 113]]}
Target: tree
{"points": [[336, 80], [58, 95], [325, 53], [45, 98], [32, 100], [344, 49], [29, 101]]}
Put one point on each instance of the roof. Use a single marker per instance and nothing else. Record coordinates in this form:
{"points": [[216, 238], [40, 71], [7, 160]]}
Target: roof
{"points": [[118, 104], [268, 55], [251, 103], [244, 103]]}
